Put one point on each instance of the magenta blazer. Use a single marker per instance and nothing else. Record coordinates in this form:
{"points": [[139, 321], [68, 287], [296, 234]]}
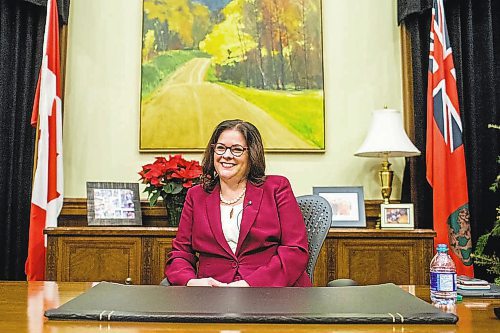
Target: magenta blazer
{"points": [[272, 246]]}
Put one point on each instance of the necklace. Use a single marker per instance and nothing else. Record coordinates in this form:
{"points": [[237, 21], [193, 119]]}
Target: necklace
{"points": [[235, 200], [231, 202]]}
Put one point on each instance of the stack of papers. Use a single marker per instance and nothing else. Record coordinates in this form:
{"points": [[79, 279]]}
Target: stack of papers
{"points": [[468, 283]]}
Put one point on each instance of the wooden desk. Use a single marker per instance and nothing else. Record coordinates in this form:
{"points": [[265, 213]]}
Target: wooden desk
{"points": [[22, 305]]}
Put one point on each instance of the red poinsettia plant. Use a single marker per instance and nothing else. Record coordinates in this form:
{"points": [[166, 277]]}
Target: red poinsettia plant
{"points": [[169, 178]]}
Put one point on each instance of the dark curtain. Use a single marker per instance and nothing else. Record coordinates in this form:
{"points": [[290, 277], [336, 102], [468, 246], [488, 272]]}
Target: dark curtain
{"points": [[474, 31], [22, 25]]}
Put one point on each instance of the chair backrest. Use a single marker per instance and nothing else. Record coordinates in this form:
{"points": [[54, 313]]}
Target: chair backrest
{"points": [[318, 218]]}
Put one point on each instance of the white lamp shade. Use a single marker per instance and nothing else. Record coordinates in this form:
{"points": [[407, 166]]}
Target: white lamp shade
{"points": [[387, 137]]}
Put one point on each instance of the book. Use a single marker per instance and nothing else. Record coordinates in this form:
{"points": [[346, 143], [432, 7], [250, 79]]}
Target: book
{"points": [[493, 292], [465, 280], [473, 287]]}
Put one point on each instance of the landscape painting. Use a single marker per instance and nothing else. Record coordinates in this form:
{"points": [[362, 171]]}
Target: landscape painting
{"points": [[204, 61]]}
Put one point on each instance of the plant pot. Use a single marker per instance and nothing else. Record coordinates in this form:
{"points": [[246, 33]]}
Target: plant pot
{"points": [[174, 206]]}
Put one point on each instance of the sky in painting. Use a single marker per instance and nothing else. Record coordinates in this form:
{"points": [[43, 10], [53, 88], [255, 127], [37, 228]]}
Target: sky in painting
{"points": [[214, 5]]}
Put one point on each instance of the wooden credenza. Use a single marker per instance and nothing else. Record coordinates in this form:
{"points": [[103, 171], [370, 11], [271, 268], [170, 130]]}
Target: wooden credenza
{"points": [[372, 256], [137, 255], [134, 255]]}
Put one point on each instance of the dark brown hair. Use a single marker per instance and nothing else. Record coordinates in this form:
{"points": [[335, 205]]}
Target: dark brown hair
{"points": [[256, 159]]}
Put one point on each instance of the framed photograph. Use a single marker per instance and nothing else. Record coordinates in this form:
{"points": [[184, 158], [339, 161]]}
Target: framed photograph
{"points": [[397, 216], [348, 205], [113, 204], [204, 61]]}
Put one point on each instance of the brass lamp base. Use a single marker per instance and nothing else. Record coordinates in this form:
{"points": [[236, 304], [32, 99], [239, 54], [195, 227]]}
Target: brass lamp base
{"points": [[386, 175]]}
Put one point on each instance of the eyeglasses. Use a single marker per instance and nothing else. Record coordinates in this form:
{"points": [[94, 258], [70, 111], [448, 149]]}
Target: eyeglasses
{"points": [[236, 150]]}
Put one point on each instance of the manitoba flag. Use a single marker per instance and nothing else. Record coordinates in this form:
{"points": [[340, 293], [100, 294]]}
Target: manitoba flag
{"points": [[445, 150], [47, 194]]}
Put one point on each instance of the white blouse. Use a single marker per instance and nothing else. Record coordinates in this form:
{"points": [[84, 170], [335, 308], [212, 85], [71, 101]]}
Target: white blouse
{"points": [[231, 225]]}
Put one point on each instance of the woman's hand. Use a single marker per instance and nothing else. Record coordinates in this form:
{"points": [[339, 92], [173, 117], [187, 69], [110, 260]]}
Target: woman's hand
{"points": [[240, 283], [205, 282]]}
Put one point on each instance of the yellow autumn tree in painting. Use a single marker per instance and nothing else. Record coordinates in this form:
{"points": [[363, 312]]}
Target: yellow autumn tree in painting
{"points": [[148, 45], [181, 19], [201, 23], [228, 42]]}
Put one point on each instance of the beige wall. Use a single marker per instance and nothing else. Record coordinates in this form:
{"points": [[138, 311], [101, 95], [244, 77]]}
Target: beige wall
{"points": [[101, 120]]}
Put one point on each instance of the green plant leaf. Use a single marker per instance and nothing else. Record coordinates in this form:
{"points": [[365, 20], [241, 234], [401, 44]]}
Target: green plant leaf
{"points": [[154, 198], [481, 244], [172, 188], [177, 189]]}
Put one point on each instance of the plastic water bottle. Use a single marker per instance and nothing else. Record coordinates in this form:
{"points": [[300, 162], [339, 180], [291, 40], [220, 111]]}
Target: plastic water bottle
{"points": [[443, 278]]}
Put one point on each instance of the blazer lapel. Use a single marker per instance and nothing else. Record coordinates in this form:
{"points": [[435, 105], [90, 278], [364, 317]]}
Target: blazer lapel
{"points": [[212, 204], [250, 211]]}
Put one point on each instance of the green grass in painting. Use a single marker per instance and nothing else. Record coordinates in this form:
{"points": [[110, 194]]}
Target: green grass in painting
{"points": [[211, 76], [161, 66], [299, 111]]}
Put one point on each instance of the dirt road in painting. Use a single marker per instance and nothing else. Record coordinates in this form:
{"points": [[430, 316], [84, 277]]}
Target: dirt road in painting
{"points": [[185, 110]]}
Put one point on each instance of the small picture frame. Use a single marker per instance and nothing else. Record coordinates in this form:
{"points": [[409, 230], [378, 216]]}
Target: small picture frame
{"points": [[348, 205], [397, 216], [113, 204]]}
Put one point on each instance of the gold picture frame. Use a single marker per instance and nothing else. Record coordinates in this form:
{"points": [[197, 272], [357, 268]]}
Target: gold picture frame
{"points": [[397, 216], [204, 62]]}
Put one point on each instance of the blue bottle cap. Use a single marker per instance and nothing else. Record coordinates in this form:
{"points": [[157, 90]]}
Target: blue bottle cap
{"points": [[442, 248]]}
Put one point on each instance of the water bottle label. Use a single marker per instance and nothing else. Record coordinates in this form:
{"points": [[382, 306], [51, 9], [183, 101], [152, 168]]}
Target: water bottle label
{"points": [[443, 281]]}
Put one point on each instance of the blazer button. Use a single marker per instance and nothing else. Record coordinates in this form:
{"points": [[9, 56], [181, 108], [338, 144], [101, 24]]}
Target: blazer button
{"points": [[234, 264]]}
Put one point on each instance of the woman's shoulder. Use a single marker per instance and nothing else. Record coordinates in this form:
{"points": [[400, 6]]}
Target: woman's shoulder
{"points": [[197, 191], [276, 180]]}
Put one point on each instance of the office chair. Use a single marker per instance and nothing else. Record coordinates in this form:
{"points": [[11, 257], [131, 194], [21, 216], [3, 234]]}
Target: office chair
{"points": [[317, 215]]}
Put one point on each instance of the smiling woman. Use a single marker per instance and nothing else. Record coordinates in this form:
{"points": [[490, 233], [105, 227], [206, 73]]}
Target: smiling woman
{"points": [[244, 228], [231, 168]]}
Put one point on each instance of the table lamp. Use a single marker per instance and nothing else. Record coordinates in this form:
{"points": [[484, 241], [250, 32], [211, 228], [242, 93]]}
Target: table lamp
{"points": [[387, 138]]}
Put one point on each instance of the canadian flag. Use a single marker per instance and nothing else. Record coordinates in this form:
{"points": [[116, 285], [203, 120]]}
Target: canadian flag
{"points": [[47, 195]]}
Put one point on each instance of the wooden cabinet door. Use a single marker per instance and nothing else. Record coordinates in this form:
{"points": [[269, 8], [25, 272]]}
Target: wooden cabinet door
{"points": [[99, 259], [161, 247], [373, 261]]}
